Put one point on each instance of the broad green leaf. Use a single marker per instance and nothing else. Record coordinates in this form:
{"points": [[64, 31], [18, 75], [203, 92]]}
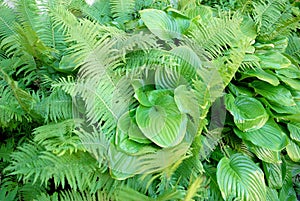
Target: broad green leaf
{"points": [[294, 83], [281, 109], [66, 64], [274, 174], [294, 129], [162, 123], [248, 113], [261, 74], [127, 124], [187, 102], [264, 154], [293, 151], [273, 60], [270, 136], [240, 90], [240, 178], [292, 72], [163, 25], [142, 91], [272, 194], [277, 94], [287, 192], [123, 143]]}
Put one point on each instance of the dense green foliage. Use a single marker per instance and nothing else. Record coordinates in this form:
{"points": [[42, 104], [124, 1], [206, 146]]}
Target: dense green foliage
{"points": [[150, 100]]}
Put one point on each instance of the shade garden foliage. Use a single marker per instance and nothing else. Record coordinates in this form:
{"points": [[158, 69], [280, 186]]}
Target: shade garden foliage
{"points": [[150, 100]]}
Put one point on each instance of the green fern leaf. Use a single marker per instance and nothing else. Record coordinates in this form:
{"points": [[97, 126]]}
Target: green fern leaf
{"points": [[122, 10]]}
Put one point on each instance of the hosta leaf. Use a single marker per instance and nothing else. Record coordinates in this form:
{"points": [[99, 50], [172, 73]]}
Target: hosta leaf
{"points": [[142, 91], [292, 72], [162, 123], [274, 174], [187, 102], [131, 147], [248, 113], [294, 129], [264, 154], [293, 151], [277, 94], [274, 60], [282, 109], [272, 194], [163, 25], [127, 124], [270, 136], [261, 74], [294, 83], [240, 178]]}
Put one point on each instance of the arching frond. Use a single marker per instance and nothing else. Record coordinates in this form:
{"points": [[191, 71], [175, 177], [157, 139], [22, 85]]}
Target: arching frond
{"points": [[57, 106], [59, 138], [122, 9], [275, 18], [33, 162], [7, 21]]}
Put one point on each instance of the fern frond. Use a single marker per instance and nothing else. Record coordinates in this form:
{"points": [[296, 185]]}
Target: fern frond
{"points": [[99, 11], [33, 162], [75, 196], [58, 138], [293, 48], [12, 112], [122, 10], [26, 100], [7, 21], [217, 35], [57, 106], [96, 143], [275, 18], [27, 13], [210, 141]]}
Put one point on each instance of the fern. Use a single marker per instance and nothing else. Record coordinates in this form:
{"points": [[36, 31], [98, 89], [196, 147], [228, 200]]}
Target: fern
{"points": [[59, 137], [57, 106], [7, 20], [32, 162], [275, 18], [122, 10]]}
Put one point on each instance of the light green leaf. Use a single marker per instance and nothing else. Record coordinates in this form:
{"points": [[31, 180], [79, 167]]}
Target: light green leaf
{"points": [[261, 74], [292, 72], [294, 83], [264, 154], [294, 129], [273, 60], [187, 103], [270, 136], [162, 123], [277, 94], [274, 174], [248, 113], [161, 24], [127, 124], [240, 178], [272, 194], [131, 147], [293, 151]]}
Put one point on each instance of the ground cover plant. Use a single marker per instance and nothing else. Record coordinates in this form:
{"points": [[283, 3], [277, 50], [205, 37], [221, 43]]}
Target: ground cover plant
{"points": [[149, 100]]}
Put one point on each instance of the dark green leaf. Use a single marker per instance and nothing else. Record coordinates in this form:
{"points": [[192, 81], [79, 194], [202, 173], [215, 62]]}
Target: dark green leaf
{"points": [[270, 136], [277, 94]]}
